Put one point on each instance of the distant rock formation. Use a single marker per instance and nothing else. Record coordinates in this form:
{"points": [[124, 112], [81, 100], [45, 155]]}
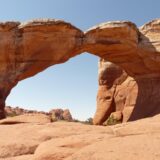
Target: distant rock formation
{"points": [[60, 114], [55, 114], [15, 111]]}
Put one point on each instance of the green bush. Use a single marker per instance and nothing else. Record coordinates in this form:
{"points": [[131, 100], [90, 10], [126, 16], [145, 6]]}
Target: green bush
{"points": [[111, 121], [75, 120], [88, 121], [13, 114]]}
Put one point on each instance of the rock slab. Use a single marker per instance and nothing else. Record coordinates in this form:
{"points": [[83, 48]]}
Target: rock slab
{"points": [[75, 141]]}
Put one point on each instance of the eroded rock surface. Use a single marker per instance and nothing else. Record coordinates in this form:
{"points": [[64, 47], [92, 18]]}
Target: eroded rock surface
{"points": [[75, 141], [117, 93], [29, 48]]}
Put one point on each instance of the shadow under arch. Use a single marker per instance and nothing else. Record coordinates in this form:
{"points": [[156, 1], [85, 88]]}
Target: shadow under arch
{"points": [[148, 101]]}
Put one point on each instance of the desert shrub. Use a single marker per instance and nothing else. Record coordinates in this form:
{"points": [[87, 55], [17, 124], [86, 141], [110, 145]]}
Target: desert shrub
{"points": [[111, 121], [53, 118], [12, 114], [89, 121], [75, 120]]}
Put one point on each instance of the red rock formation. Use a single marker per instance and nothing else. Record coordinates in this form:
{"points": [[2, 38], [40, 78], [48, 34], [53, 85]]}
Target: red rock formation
{"points": [[60, 114], [27, 49], [117, 93], [56, 114], [137, 52]]}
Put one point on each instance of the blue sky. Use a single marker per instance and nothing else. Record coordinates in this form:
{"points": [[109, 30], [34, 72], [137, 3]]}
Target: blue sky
{"points": [[74, 84]]}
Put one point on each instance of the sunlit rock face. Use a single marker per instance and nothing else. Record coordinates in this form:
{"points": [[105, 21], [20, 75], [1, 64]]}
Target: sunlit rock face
{"points": [[117, 93], [137, 53], [129, 84]]}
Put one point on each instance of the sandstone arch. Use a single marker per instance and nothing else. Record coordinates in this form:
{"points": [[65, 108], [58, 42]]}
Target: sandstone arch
{"points": [[29, 48]]}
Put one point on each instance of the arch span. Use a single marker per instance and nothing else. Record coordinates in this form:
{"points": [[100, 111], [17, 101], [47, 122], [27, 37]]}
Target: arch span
{"points": [[29, 48]]}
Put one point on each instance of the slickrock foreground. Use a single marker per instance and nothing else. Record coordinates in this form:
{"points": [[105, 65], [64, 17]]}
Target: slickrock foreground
{"points": [[74, 141], [131, 90]]}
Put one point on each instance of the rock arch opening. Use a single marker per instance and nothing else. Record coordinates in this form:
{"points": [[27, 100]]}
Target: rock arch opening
{"points": [[71, 85]]}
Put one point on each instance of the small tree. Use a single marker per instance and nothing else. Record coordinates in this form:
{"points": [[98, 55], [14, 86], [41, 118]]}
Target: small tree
{"points": [[111, 121], [88, 121]]}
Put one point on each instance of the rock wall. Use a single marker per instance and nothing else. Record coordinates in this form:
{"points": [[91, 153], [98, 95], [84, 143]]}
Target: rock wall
{"points": [[137, 96], [117, 93], [29, 48]]}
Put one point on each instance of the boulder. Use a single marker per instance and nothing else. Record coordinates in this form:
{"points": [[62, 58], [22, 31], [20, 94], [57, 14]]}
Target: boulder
{"points": [[67, 115]]}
